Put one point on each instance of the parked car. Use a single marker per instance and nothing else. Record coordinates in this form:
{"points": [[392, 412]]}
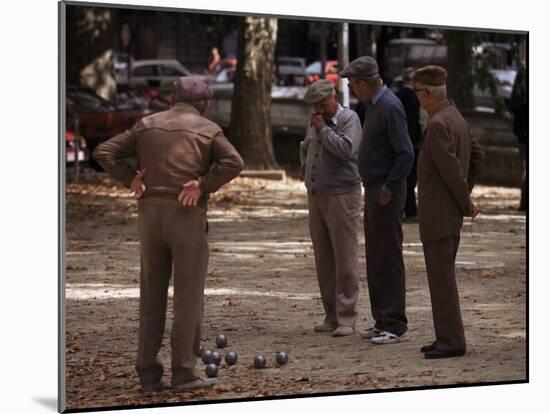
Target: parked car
{"points": [[415, 52], [157, 73], [290, 71], [99, 119], [331, 71]]}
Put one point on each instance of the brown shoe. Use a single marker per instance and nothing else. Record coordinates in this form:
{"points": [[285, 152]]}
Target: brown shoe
{"points": [[155, 387], [343, 331], [324, 327], [196, 383]]}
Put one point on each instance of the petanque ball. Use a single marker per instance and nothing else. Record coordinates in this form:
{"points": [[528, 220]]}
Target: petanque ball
{"points": [[231, 358], [281, 358], [199, 352], [216, 358], [221, 341], [206, 356], [259, 362], [211, 370]]}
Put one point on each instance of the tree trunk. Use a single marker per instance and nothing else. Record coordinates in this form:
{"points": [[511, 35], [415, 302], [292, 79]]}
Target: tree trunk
{"points": [[250, 130], [460, 71], [364, 45]]}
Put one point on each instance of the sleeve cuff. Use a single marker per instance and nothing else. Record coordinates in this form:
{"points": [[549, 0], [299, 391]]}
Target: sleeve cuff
{"points": [[387, 190]]}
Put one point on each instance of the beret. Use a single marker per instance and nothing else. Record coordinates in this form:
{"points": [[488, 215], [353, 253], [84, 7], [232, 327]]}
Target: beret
{"points": [[192, 89], [363, 67], [431, 75], [318, 91]]}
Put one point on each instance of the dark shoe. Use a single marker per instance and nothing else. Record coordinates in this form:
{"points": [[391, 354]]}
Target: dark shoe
{"points": [[410, 219], [196, 383], [439, 353], [154, 387], [428, 348]]}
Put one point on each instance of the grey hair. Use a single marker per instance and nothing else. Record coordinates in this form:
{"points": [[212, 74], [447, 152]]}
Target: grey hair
{"points": [[440, 91], [375, 80]]}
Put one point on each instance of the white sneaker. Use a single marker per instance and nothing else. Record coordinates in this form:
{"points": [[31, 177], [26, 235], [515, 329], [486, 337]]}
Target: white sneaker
{"points": [[370, 332], [385, 337]]}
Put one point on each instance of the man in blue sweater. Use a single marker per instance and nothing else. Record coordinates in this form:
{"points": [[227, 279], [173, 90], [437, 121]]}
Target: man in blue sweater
{"points": [[385, 159]]}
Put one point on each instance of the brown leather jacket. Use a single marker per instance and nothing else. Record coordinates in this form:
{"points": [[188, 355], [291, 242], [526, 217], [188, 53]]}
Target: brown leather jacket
{"points": [[449, 165], [174, 146]]}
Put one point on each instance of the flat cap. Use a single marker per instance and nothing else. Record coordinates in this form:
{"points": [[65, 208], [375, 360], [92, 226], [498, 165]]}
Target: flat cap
{"points": [[363, 67], [431, 75], [192, 89], [318, 91]]}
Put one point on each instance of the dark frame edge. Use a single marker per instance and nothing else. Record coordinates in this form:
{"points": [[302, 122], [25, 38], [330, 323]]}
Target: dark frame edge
{"points": [[61, 58]]}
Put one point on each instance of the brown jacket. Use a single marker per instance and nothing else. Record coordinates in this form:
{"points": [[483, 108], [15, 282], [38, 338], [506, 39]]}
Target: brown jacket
{"points": [[449, 165], [174, 146]]}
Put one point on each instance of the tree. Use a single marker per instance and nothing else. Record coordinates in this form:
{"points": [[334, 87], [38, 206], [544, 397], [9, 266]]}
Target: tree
{"points": [[250, 129], [460, 68]]}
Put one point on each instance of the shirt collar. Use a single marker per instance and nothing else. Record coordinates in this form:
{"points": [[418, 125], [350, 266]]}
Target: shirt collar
{"points": [[334, 119], [184, 106], [378, 94]]}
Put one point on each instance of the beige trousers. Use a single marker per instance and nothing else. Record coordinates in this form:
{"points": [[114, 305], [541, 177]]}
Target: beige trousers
{"points": [[173, 241], [333, 224]]}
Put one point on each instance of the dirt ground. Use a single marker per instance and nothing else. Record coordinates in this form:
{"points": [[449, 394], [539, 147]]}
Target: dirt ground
{"points": [[262, 293]]}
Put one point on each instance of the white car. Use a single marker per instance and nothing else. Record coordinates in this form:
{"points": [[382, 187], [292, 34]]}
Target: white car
{"points": [[157, 73]]}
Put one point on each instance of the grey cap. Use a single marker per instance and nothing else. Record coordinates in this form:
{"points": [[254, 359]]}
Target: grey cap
{"points": [[318, 91], [192, 89], [363, 67]]}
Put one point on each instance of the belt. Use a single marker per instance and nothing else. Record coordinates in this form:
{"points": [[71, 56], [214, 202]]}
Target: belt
{"points": [[169, 202]]}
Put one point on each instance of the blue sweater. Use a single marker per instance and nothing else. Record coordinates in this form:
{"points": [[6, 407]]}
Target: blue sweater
{"points": [[385, 153]]}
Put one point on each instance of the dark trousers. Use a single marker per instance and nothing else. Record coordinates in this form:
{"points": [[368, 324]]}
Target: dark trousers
{"points": [[384, 254], [172, 240], [440, 256], [333, 225], [410, 201]]}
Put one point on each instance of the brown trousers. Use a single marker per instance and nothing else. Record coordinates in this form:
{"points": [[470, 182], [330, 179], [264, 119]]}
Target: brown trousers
{"points": [[384, 254], [440, 258], [173, 240], [333, 224]]}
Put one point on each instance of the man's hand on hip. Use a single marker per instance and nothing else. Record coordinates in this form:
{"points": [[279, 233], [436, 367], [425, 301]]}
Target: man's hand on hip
{"points": [[384, 198], [190, 194], [137, 186]]}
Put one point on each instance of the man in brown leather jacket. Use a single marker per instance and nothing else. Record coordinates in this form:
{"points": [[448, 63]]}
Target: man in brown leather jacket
{"points": [[182, 157], [449, 165]]}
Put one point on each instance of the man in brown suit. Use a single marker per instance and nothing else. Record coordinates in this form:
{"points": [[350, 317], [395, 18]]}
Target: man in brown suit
{"points": [[182, 158], [449, 164]]}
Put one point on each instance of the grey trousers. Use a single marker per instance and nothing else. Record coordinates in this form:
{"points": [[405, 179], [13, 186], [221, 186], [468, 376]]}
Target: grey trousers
{"points": [[172, 240], [384, 255], [440, 258], [333, 224]]}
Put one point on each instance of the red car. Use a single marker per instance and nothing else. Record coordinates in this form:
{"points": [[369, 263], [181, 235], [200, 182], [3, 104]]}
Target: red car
{"points": [[99, 119], [331, 71], [70, 148]]}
